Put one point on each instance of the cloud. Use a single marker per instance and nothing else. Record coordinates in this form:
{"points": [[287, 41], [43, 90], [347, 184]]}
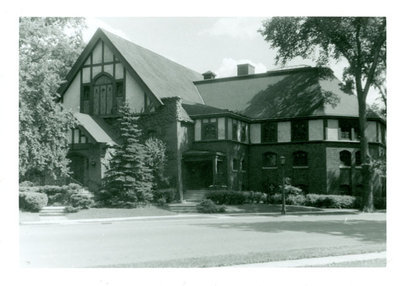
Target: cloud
{"points": [[228, 67], [237, 28], [93, 24]]}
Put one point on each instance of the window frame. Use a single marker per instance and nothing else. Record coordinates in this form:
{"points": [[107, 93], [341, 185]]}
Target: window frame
{"points": [[296, 158], [264, 160], [295, 132], [268, 128], [207, 122]]}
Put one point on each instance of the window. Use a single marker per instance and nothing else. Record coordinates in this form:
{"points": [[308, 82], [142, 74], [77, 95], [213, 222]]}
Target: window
{"points": [[119, 95], [345, 159], [103, 95], [358, 158], [299, 130], [269, 159], [349, 129], [235, 130], [300, 159], [85, 99], [269, 132], [209, 129], [243, 132]]}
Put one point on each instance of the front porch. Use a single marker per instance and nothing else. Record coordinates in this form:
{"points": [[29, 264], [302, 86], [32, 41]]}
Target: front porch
{"points": [[202, 170]]}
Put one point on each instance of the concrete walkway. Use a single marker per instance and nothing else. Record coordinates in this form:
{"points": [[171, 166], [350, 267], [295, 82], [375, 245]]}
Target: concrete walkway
{"points": [[319, 261], [65, 220]]}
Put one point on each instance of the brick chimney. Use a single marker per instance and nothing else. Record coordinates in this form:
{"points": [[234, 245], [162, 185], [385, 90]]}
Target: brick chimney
{"points": [[209, 75], [245, 69]]}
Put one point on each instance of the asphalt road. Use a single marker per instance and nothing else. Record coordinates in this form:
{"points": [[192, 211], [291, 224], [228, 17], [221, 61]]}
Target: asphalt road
{"points": [[139, 242]]}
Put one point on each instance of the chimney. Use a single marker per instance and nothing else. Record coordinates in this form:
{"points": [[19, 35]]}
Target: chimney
{"points": [[209, 75], [245, 69]]}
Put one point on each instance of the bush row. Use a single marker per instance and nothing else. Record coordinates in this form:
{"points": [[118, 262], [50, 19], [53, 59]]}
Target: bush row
{"points": [[72, 195], [292, 198], [235, 197]]}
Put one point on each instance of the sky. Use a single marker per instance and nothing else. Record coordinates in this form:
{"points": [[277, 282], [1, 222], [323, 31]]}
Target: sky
{"points": [[204, 43]]}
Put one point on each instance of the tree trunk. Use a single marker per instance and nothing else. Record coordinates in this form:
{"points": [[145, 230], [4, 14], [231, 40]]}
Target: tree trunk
{"points": [[368, 199]]}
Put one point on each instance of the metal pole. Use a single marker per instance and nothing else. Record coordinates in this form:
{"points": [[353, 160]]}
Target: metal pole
{"points": [[283, 212]]}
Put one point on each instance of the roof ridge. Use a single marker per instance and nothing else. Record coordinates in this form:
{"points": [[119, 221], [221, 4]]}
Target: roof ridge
{"points": [[107, 33]]}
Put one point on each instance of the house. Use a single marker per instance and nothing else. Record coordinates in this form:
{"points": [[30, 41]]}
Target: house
{"points": [[224, 132]]}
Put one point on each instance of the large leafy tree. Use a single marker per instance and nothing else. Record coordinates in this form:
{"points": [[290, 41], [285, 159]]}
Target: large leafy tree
{"points": [[359, 40], [128, 179], [48, 47]]}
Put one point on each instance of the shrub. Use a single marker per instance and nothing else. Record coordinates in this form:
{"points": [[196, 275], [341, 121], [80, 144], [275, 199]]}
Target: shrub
{"points": [[330, 201], [208, 206], [166, 195], [26, 184], [31, 201], [275, 198], [296, 200], [227, 197], [292, 190], [81, 200], [72, 194]]}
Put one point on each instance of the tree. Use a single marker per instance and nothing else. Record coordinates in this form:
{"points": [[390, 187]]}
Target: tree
{"points": [[359, 40], [128, 179], [156, 149], [48, 47]]}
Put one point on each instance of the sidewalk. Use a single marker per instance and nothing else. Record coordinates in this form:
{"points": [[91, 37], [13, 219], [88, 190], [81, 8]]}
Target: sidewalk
{"points": [[319, 261], [64, 220]]}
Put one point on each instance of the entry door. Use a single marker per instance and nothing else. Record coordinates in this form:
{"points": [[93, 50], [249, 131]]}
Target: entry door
{"points": [[77, 167]]}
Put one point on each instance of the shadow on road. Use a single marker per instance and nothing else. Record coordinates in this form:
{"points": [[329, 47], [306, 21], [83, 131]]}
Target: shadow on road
{"points": [[368, 231]]}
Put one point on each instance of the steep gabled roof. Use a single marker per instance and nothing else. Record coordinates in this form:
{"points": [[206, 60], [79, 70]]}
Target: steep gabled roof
{"points": [[300, 92], [156, 74]]}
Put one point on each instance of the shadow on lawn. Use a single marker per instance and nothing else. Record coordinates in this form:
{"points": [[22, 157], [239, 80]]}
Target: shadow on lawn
{"points": [[368, 231]]}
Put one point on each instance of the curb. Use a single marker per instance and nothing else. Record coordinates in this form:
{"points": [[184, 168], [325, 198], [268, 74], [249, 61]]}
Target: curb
{"points": [[318, 261]]}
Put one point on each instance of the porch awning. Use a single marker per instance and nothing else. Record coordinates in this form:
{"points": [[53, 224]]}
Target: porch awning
{"points": [[200, 155], [95, 129]]}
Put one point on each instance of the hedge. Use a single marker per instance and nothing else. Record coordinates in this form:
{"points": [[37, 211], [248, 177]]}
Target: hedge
{"points": [[208, 206], [330, 201], [31, 201], [70, 195], [235, 197]]}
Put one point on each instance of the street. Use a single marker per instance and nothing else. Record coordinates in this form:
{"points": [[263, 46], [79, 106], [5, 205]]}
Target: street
{"points": [[183, 241]]}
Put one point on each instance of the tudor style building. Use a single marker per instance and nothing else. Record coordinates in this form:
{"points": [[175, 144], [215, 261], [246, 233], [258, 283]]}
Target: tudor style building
{"points": [[225, 132]]}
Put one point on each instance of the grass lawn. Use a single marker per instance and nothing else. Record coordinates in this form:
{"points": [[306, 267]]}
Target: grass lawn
{"points": [[278, 255], [381, 262], [266, 208], [116, 212]]}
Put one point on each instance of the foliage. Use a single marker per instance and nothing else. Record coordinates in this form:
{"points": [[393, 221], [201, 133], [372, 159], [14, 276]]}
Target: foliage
{"points": [[208, 206], [32, 201], [330, 201], [48, 47], [128, 178], [71, 209], [69, 195], [228, 197], [156, 150], [164, 196], [359, 40]]}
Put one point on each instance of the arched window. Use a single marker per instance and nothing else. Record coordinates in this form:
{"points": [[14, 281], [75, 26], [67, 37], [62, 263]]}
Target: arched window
{"points": [[269, 159], [345, 158], [300, 159], [103, 95]]}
